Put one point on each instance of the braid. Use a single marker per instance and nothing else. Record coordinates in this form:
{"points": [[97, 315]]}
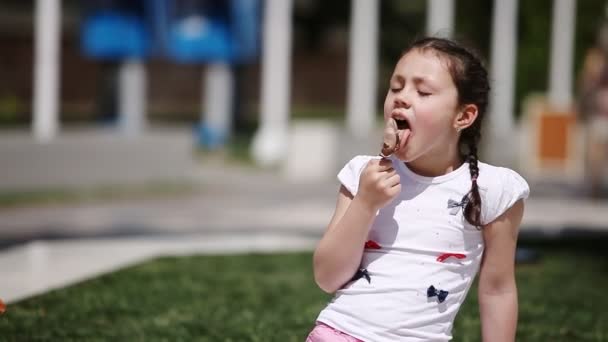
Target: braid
{"points": [[472, 211]]}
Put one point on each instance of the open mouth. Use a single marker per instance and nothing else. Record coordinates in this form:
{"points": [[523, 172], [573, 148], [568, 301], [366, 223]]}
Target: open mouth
{"points": [[402, 124], [395, 130]]}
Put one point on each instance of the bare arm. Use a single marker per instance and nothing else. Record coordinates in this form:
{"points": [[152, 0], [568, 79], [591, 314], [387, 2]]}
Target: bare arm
{"points": [[497, 288], [338, 254]]}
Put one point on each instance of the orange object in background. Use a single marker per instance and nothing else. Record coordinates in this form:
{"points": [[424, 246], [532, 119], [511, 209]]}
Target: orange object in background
{"points": [[555, 136], [2, 307]]}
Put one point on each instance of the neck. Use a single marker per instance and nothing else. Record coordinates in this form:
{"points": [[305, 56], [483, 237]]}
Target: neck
{"points": [[434, 165]]}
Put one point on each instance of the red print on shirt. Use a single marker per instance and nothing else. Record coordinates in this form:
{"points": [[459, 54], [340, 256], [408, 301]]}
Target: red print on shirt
{"points": [[444, 256], [371, 244]]}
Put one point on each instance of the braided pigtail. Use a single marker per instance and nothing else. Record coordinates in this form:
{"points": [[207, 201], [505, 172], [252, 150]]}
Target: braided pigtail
{"points": [[472, 211]]}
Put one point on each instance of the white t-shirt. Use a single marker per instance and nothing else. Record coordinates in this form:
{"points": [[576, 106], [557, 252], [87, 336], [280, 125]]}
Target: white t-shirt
{"points": [[423, 223]]}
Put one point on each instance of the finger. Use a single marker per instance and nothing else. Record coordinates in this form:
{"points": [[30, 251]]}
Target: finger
{"points": [[388, 173], [383, 166], [394, 190], [375, 164], [370, 167], [385, 161], [393, 180]]}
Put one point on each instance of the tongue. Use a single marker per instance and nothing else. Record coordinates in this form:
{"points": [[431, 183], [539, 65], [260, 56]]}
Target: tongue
{"points": [[403, 135], [391, 138]]}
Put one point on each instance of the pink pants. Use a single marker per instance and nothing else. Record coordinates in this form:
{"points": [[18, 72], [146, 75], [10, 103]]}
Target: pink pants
{"points": [[325, 333]]}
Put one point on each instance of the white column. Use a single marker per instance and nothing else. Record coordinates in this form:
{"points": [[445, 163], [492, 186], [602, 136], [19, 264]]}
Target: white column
{"points": [[46, 69], [562, 54], [270, 141], [132, 97], [502, 73], [362, 67], [440, 18], [217, 111]]}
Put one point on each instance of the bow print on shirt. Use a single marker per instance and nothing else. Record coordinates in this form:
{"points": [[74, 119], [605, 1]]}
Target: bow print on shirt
{"points": [[455, 206], [361, 273], [441, 294]]}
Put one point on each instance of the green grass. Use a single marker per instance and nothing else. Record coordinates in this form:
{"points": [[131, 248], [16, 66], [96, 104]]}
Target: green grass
{"points": [[273, 298]]}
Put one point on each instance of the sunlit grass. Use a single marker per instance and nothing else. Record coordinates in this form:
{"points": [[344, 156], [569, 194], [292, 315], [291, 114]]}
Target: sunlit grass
{"points": [[272, 297]]}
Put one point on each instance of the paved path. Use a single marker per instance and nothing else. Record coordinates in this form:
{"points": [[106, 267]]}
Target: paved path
{"points": [[249, 201]]}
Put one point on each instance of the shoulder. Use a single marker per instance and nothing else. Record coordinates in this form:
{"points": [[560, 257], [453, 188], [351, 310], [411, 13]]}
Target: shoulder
{"points": [[361, 160], [357, 163], [500, 188], [492, 177]]}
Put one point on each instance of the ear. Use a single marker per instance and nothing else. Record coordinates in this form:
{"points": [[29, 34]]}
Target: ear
{"points": [[465, 117]]}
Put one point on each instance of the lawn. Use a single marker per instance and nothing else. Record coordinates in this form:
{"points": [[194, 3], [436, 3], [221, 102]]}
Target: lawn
{"points": [[272, 297]]}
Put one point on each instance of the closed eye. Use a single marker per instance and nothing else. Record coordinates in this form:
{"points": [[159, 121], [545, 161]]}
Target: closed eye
{"points": [[423, 94]]}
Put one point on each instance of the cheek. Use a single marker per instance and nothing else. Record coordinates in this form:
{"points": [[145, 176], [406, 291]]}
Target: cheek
{"points": [[434, 118], [430, 128], [426, 125]]}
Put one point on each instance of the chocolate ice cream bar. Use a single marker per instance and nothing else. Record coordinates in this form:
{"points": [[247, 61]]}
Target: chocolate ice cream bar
{"points": [[391, 138]]}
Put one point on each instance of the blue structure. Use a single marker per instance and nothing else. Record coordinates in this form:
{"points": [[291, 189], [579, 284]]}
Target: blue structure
{"points": [[209, 31], [116, 30], [212, 31], [186, 31], [182, 31]]}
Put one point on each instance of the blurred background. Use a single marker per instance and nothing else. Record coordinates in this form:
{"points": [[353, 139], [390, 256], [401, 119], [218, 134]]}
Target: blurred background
{"points": [[134, 129], [194, 72]]}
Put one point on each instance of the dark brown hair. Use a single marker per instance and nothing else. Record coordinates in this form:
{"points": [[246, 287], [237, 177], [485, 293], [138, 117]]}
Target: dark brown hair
{"points": [[471, 79]]}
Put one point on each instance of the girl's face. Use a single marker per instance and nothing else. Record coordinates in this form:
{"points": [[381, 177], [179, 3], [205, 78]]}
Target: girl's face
{"points": [[423, 93]]}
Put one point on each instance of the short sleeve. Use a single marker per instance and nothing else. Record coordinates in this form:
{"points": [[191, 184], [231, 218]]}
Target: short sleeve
{"points": [[507, 188], [351, 172]]}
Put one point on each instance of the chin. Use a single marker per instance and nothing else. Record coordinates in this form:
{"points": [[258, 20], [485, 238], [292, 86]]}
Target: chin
{"points": [[407, 155], [404, 157]]}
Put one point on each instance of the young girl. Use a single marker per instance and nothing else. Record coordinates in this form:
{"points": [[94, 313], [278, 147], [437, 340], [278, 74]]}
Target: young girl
{"points": [[410, 231]]}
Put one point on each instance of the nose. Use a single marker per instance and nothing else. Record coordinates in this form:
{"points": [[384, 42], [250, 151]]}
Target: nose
{"points": [[402, 100]]}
